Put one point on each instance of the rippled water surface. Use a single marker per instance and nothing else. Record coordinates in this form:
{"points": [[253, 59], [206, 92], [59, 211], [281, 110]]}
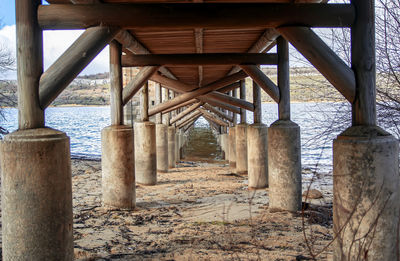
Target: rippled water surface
{"points": [[83, 125]]}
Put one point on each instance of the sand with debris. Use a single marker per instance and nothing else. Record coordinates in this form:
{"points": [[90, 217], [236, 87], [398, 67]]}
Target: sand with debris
{"points": [[197, 211]]}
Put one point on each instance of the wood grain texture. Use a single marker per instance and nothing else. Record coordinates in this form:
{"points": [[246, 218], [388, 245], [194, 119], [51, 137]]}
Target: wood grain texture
{"points": [[283, 79], [136, 83], [116, 83]]}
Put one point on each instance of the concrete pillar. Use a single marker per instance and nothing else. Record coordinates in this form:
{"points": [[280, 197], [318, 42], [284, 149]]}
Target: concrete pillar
{"points": [[284, 166], [36, 195], [171, 147], [366, 194], [232, 147], [241, 149], [162, 147], [257, 155], [177, 146], [145, 153], [118, 169], [225, 145]]}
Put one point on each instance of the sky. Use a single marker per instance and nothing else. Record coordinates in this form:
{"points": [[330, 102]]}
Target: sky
{"points": [[54, 42]]}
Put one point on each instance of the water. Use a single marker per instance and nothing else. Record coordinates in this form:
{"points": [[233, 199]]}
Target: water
{"points": [[83, 125]]}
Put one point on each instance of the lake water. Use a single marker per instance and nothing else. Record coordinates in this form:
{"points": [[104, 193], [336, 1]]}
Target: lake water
{"points": [[83, 125]]}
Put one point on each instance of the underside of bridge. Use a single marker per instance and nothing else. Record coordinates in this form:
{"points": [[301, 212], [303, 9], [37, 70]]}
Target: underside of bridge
{"points": [[198, 53]]}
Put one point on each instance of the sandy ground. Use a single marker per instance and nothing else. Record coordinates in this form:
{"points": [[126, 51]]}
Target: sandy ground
{"points": [[198, 211]]}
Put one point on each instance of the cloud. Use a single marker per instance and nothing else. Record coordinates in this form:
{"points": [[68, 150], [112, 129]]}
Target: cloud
{"points": [[54, 44]]}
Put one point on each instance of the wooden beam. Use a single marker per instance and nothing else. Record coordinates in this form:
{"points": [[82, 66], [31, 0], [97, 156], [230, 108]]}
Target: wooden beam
{"points": [[198, 92], [175, 84], [190, 102], [257, 115], [213, 118], [217, 112], [323, 58], [363, 63], [29, 64], [198, 38], [116, 83], [225, 106], [135, 47], [283, 79], [189, 16], [199, 59], [189, 122], [262, 80], [136, 83], [186, 112], [188, 118], [63, 71], [217, 96]]}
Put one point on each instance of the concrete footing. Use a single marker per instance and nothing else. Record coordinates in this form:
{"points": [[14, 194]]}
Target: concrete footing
{"points": [[224, 138], [241, 149], [171, 147], [366, 195], [36, 196], [162, 147], [284, 166], [145, 153], [232, 147], [118, 169], [257, 152]]}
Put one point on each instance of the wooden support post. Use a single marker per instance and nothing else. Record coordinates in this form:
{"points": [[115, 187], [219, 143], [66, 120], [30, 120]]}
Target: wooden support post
{"points": [[188, 16], [29, 64], [283, 79], [144, 103], [116, 83], [262, 80], [166, 115], [198, 92], [257, 103], [140, 79], [243, 118], [323, 58], [363, 63], [158, 101], [233, 93], [63, 71]]}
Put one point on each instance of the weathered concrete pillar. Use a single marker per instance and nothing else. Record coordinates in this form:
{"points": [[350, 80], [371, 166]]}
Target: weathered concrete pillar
{"points": [[162, 147], [118, 167], [145, 153], [36, 195], [171, 147], [241, 149], [177, 147], [232, 147], [225, 145], [284, 166], [257, 155], [366, 194]]}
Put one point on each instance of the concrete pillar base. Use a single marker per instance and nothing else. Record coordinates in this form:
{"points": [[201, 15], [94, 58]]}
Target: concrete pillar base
{"points": [[171, 147], [241, 149], [36, 195], [232, 147], [145, 153], [366, 194], [257, 156], [284, 166], [118, 169], [162, 147]]}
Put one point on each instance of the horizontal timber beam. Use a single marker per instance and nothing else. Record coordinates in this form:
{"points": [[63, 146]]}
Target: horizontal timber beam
{"points": [[213, 118], [136, 83], [185, 112], [263, 81], [326, 61], [189, 16], [64, 70], [218, 112], [190, 102], [188, 118], [199, 59], [219, 84], [231, 100]]}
